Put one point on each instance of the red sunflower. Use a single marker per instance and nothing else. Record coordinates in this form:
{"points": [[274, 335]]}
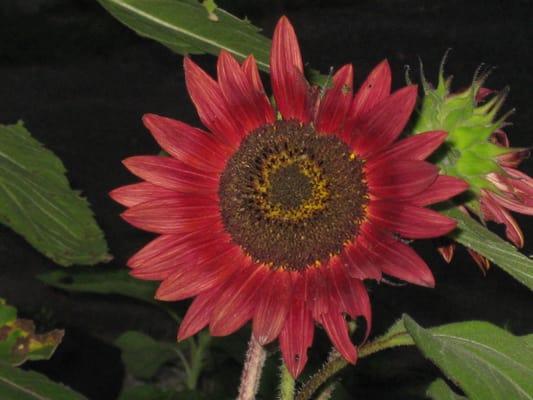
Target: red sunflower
{"points": [[277, 217]]}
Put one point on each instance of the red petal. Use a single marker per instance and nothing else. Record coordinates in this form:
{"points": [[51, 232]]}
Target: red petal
{"points": [[515, 205], [189, 145], [174, 216], [352, 295], [521, 183], [249, 67], [288, 82], [406, 264], [272, 307], [131, 195], [158, 249], [402, 178], [172, 174], [198, 314], [482, 262], [400, 260], [297, 334], [447, 252], [444, 188], [318, 290], [375, 88], [482, 93], [337, 330], [492, 211], [249, 106], [361, 263], [386, 121], [211, 105], [237, 304], [169, 253], [410, 221], [416, 147], [197, 276], [336, 101]]}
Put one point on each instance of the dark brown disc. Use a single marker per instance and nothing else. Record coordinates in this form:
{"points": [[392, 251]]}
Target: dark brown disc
{"points": [[291, 197]]}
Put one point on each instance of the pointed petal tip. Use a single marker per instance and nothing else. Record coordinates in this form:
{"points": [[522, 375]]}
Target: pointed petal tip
{"points": [[383, 68], [129, 162], [162, 293], [284, 26], [149, 118], [427, 280], [183, 334], [447, 252], [115, 195], [283, 20]]}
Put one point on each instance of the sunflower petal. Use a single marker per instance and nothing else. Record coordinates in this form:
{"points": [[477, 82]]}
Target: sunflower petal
{"points": [[137, 193], [383, 126], [297, 334], [410, 221], [273, 307], [334, 106], [287, 75], [250, 106], [192, 146], [211, 105]]}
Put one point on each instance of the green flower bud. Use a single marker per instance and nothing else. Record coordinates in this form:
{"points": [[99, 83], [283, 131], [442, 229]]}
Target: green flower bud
{"points": [[470, 117]]}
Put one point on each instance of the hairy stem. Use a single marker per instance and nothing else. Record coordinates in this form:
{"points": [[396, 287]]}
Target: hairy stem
{"points": [[286, 386], [335, 361], [334, 364], [251, 373]]}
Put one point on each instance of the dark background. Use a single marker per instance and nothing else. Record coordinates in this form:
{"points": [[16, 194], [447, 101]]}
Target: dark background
{"points": [[81, 82]]}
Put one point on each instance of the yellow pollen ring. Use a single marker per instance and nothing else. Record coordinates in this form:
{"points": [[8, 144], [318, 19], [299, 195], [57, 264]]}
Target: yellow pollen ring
{"points": [[262, 185]]}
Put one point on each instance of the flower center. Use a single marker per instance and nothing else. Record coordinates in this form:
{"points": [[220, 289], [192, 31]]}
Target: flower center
{"points": [[291, 197]]}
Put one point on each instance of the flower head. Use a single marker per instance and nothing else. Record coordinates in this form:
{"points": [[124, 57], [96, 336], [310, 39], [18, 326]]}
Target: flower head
{"points": [[279, 219], [478, 151]]}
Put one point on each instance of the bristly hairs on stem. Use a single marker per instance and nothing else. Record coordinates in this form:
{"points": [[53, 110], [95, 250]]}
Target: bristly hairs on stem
{"points": [[251, 372], [286, 386]]}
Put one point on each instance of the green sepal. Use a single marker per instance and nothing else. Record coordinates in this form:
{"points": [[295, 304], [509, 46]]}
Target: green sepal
{"points": [[468, 152], [489, 150], [470, 165]]}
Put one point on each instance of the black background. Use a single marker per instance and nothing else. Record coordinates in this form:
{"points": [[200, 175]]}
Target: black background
{"points": [[81, 82]]}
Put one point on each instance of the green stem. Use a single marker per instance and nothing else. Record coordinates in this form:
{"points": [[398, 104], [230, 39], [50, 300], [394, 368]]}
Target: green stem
{"points": [[327, 392], [336, 363], [185, 363], [197, 358], [286, 387]]}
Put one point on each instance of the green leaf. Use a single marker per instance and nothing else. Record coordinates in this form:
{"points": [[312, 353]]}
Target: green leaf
{"points": [[185, 27], [106, 281], [487, 362], [439, 390], [478, 238], [19, 342], [17, 384], [142, 355], [394, 337], [102, 282], [37, 202]]}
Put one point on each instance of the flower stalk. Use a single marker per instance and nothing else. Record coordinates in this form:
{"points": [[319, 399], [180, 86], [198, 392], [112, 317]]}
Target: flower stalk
{"points": [[251, 372], [396, 336], [286, 387]]}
